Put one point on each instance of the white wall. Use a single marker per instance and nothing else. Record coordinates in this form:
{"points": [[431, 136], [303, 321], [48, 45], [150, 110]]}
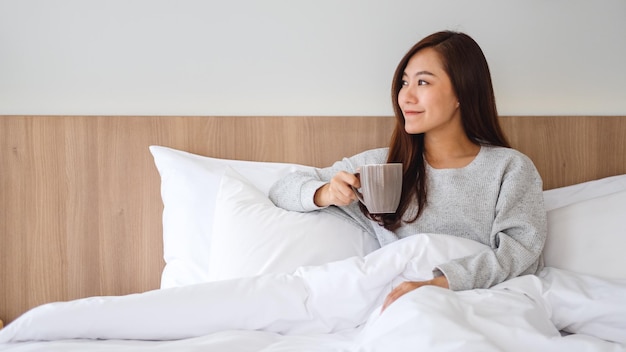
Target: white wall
{"points": [[294, 57]]}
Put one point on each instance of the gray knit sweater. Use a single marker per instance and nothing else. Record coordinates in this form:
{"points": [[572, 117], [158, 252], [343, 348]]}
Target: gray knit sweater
{"points": [[496, 200]]}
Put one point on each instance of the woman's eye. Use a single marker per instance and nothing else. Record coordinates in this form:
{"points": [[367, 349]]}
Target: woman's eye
{"points": [[404, 83], [421, 82]]}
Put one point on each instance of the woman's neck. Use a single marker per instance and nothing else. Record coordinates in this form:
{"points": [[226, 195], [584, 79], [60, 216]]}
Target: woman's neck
{"points": [[450, 153]]}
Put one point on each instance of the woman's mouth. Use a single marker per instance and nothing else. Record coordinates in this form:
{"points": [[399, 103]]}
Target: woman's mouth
{"points": [[412, 112]]}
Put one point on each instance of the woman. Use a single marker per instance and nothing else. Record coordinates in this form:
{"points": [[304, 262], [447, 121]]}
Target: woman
{"points": [[460, 176]]}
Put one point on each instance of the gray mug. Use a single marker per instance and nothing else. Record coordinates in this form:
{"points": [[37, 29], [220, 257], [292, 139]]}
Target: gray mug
{"points": [[381, 187]]}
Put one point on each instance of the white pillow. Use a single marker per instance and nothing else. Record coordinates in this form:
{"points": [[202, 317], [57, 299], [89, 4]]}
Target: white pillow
{"points": [[189, 185], [252, 236], [560, 197], [589, 237]]}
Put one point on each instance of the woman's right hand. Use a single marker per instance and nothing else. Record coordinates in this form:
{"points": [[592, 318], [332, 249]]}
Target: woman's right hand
{"points": [[338, 191]]}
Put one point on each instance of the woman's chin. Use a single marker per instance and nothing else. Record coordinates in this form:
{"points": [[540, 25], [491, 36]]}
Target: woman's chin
{"points": [[413, 129]]}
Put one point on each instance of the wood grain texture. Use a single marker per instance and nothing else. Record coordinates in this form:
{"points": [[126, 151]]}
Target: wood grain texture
{"points": [[80, 195], [570, 150]]}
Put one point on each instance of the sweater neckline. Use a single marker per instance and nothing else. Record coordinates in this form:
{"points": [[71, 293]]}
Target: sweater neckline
{"points": [[466, 167]]}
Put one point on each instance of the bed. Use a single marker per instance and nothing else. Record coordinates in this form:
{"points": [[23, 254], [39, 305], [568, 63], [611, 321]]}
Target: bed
{"points": [[155, 232]]}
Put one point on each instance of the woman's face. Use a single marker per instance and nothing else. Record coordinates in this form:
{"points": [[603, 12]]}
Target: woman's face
{"points": [[426, 98]]}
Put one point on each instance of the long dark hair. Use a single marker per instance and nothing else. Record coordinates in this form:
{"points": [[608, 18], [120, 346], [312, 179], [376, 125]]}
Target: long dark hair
{"points": [[465, 64]]}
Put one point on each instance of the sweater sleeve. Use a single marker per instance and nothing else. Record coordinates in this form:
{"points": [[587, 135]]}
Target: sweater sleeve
{"points": [[295, 191], [517, 237]]}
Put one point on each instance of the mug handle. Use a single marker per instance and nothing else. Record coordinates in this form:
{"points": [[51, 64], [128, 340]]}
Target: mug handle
{"points": [[356, 191]]}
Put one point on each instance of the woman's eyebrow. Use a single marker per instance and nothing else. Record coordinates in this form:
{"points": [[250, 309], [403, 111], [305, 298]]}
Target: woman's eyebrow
{"points": [[427, 73]]}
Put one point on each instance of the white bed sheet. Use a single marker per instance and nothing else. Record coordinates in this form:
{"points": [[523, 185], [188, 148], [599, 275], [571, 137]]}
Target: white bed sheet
{"points": [[335, 307], [226, 341]]}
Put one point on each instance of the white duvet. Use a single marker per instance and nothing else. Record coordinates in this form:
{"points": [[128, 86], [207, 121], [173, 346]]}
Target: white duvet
{"points": [[336, 307]]}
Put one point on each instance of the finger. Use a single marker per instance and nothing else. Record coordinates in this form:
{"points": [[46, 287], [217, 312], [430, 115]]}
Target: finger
{"points": [[349, 179], [352, 183], [341, 187], [357, 176], [348, 194], [399, 291], [388, 301], [391, 297], [338, 196]]}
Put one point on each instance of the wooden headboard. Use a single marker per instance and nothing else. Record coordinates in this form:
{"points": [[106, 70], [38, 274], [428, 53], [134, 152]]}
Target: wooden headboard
{"points": [[80, 196]]}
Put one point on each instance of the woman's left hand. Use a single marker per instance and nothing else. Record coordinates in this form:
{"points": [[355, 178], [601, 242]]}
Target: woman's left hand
{"points": [[408, 286]]}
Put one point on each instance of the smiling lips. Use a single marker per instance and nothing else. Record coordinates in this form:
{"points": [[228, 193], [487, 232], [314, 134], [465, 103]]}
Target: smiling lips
{"points": [[412, 112]]}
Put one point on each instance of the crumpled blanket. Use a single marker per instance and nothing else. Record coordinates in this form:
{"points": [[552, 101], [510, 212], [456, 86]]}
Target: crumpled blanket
{"points": [[525, 313]]}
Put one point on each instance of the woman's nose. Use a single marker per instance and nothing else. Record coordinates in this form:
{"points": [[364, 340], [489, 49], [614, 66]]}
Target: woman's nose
{"points": [[407, 94]]}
